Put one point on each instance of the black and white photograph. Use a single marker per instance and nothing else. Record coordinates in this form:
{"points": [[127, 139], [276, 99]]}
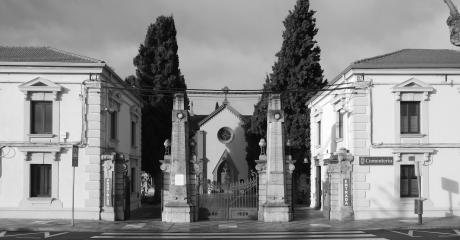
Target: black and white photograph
{"points": [[230, 119]]}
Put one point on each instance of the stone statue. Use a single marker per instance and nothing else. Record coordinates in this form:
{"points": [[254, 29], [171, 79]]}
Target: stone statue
{"points": [[453, 21]]}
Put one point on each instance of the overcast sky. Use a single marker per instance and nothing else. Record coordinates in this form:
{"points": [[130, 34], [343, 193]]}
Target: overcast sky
{"points": [[224, 43]]}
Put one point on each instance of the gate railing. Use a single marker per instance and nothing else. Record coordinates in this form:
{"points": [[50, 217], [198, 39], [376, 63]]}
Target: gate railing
{"points": [[229, 201]]}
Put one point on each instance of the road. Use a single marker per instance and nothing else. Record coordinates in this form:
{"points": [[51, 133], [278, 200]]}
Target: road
{"points": [[428, 234]]}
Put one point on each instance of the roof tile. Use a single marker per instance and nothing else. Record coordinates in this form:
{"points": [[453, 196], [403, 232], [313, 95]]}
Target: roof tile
{"points": [[41, 54]]}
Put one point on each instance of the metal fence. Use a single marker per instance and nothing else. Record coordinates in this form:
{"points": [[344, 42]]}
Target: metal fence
{"points": [[237, 200]]}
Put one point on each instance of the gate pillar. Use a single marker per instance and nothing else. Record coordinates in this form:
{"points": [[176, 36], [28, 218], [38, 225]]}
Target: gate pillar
{"points": [[114, 170], [339, 206], [261, 170], [276, 206], [176, 203]]}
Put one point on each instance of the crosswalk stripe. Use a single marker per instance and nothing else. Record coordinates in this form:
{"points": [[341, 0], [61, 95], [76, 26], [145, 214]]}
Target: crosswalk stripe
{"points": [[326, 237], [285, 236], [236, 233]]}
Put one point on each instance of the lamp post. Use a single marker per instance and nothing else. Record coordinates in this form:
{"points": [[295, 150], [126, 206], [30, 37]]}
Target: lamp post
{"points": [[167, 144], [262, 145]]}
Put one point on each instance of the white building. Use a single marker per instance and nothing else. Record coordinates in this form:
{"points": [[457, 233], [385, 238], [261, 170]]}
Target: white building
{"points": [[51, 100], [221, 144], [399, 114]]}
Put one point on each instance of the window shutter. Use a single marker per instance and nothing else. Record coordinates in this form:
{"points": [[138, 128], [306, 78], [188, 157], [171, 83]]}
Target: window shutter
{"points": [[48, 117]]}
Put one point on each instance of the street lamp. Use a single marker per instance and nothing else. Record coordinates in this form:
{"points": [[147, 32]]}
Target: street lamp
{"points": [[262, 145], [167, 144]]}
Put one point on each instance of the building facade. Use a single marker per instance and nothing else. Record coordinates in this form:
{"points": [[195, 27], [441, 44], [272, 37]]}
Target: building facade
{"points": [[51, 102], [221, 146], [391, 117]]}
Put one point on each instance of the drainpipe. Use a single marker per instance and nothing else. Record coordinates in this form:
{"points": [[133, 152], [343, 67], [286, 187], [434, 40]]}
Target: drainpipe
{"points": [[84, 98]]}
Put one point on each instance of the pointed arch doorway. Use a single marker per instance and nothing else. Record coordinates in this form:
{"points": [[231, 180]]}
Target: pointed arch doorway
{"points": [[225, 171]]}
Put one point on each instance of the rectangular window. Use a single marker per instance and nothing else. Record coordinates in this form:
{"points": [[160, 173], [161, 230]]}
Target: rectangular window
{"points": [[410, 117], [133, 133], [340, 124], [41, 117], [318, 125], [113, 125], [40, 180], [408, 185], [133, 179]]}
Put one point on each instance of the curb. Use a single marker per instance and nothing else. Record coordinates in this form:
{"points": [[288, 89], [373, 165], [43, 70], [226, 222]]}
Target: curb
{"points": [[306, 229]]}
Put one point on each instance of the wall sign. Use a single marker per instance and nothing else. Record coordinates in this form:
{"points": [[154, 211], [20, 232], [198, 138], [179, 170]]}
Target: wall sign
{"points": [[346, 192], [375, 160], [179, 180], [108, 192], [74, 156]]}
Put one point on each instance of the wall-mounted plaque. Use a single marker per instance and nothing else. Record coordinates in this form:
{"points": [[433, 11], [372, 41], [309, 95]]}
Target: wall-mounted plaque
{"points": [[375, 160], [108, 192], [179, 179], [346, 192]]}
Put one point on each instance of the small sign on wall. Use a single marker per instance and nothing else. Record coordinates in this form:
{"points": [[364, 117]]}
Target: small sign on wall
{"points": [[108, 192], [179, 179], [74, 156], [346, 192], [375, 160]]}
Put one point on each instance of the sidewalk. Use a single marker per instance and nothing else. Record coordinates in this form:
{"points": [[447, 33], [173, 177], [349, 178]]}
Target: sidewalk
{"points": [[312, 220]]}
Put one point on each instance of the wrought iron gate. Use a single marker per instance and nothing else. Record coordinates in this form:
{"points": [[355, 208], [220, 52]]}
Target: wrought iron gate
{"points": [[237, 200]]}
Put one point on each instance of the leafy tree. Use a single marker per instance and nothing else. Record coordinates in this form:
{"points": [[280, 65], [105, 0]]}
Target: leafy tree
{"points": [[158, 73], [297, 68]]}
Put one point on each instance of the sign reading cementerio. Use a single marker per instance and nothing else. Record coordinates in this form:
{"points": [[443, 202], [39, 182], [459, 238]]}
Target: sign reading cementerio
{"points": [[375, 160]]}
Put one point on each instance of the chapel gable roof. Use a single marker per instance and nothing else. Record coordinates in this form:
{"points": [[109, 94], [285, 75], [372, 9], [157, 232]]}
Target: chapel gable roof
{"points": [[224, 105]]}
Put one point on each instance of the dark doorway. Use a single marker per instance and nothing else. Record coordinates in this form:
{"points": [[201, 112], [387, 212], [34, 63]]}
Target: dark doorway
{"points": [[318, 187], [127, 207]]}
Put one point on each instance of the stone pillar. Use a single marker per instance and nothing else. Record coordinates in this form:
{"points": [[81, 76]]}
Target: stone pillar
{"points": [[341, 198], [275, 208], [176, 206], [261, 170], [113, 187], [289, 165]]}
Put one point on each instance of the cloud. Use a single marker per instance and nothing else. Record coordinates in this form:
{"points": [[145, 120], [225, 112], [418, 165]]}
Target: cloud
{"points": [[224, 43]]}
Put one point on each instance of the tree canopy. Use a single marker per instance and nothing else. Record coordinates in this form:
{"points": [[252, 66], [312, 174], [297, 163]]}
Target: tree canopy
{"points": [[157, 68], [297, 68]]}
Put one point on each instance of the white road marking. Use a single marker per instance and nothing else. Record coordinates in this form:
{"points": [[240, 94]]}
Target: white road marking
{"points": [[21, 234], [134, 226], [273, 235], [243, 237], [456, 234], [410, 233], [227, 226], [236, 233], [319, 225], [48, 235], [41, 222]]}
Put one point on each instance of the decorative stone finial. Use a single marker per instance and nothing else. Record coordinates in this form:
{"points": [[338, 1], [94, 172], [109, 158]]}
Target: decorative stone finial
{"points": [[225, 89], [453, 21]]}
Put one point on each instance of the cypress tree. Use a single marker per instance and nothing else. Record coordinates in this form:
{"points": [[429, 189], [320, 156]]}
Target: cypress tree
{"points": [[157, 68], [297, 68]]}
